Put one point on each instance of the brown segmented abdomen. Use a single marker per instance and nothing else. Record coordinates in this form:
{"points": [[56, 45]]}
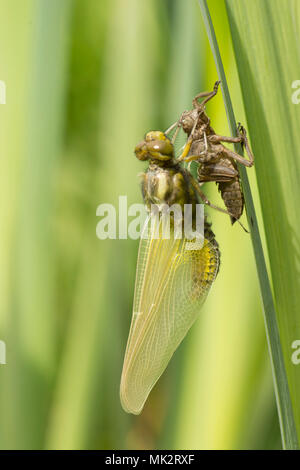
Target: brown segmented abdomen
{"points": [[231, 192], [233, 198]]}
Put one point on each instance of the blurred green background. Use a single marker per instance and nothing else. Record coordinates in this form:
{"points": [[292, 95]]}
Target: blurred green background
{"points": [[85, 80]]}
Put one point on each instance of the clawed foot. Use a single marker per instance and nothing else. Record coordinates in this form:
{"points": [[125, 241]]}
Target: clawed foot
{"points": [[216, 86], [242, 132]]}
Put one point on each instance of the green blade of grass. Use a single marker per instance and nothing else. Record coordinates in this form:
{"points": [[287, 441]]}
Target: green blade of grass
{"points": [[31, 141], [266, 38], [284, 404]]}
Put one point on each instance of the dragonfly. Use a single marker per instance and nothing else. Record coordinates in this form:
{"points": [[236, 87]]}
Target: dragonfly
{"points": [[173, 275]]}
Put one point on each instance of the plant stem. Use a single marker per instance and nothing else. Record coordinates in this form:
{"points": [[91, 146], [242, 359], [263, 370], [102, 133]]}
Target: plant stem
{"points": [[282, 393]]}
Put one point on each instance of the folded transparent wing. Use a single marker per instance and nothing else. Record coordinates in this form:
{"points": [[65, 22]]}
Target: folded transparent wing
{"points": [[172, 282]]}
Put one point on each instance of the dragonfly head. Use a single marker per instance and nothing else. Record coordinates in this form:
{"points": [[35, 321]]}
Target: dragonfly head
{"points": [[156, 146]]}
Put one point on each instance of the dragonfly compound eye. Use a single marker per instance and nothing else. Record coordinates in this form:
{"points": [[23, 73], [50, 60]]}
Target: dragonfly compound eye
{"points": [[141, 151], [155, 135]]}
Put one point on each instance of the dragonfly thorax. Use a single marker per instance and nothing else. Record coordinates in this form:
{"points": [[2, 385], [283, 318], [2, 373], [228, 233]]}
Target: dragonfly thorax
{"points": [[167, 186]]}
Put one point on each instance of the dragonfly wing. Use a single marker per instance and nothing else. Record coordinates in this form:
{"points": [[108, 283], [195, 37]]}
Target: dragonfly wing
{"points": [[172, 281]]}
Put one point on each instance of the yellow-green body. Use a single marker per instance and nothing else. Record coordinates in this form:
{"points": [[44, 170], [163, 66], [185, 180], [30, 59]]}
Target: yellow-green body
{"points": [[172, 278]]}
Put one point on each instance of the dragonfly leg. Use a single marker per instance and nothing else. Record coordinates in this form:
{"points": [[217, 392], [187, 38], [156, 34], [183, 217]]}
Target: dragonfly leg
{"points": [[176, 125], [208, 95], [242, 138], [187, 147], [171, 127]]}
